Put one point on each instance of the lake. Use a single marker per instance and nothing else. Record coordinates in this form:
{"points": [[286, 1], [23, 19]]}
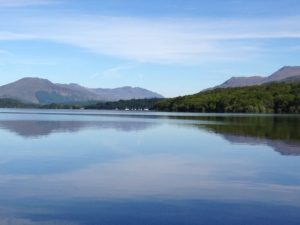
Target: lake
{"points": [[144, 168]]}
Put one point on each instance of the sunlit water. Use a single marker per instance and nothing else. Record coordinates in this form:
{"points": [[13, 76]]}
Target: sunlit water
{"points": [[117, 168]]}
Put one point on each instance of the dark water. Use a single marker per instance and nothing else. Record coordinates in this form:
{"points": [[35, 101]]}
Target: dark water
{"points": [[114, 168]]}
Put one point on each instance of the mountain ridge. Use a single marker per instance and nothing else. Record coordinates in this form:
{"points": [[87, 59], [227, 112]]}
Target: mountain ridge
{"points": [[43, 91], [284, 74]]}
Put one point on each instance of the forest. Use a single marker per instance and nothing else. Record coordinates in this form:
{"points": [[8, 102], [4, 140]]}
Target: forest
{"points": [[268, 98], [134, 104]]}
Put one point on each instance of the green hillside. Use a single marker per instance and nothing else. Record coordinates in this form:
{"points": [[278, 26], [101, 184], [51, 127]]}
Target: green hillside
{"points": [[12, 103], [269, 98]]}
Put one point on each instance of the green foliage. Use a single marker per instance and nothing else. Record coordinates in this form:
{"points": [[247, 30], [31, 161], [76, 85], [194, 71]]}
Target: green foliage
{"points": [[270, 98], [278, 127], [12, 103], [123, 104], [61, 106]]}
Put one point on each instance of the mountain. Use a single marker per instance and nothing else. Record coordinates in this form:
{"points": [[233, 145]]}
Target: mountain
{"points": [[125, 93], [292, 79], [241, 81], [285, 74], [37, 90]]}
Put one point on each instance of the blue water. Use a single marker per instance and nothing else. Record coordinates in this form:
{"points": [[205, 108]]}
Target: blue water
{"points": [[127, 168]]}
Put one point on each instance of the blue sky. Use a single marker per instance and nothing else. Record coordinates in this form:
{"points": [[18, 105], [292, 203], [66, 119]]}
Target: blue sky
{"points": [[174, 47]]}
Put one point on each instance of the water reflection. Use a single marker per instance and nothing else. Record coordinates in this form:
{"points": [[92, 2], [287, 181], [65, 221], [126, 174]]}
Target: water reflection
{"points": [[174, 212], [156, 169], [291, 148], [35, 129], [281, 133]]}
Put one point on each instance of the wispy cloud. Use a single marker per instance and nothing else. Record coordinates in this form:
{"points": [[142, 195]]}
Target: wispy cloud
{"points": [[5, 52], [15, 36], [114, 71], [22, 3], [157, 40]]}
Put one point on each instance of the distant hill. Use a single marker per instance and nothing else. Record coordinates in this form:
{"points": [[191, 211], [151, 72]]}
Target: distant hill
{"points": [[285, 74], [42, 91], [241, 82], [125, 93], [292, 79]]}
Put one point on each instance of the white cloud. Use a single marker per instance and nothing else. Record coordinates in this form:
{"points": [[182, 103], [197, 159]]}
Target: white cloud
{"points": [[157, 40]]}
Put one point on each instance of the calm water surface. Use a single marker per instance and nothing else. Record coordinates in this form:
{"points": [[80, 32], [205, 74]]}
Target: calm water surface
{"points": [[117, 168]]}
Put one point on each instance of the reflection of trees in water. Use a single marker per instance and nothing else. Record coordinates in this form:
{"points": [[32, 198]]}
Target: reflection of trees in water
{"points": [[283, 147], [26, 128], [282, 133]]}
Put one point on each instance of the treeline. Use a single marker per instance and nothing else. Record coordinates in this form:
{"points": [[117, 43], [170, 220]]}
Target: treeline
{"points": [[12, 103], [70, 105], [129, 104], [121, 105], [269, 98]]}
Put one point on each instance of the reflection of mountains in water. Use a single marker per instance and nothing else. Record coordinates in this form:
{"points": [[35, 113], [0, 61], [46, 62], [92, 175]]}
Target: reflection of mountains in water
{"points": [[283, 147], [28, 128], [280, 133]]}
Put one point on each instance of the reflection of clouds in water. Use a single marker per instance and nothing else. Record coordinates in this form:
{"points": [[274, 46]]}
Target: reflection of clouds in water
{"points": [[20, 221], [160, 176], [100, 142], [12, 215], [110, 166]]}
